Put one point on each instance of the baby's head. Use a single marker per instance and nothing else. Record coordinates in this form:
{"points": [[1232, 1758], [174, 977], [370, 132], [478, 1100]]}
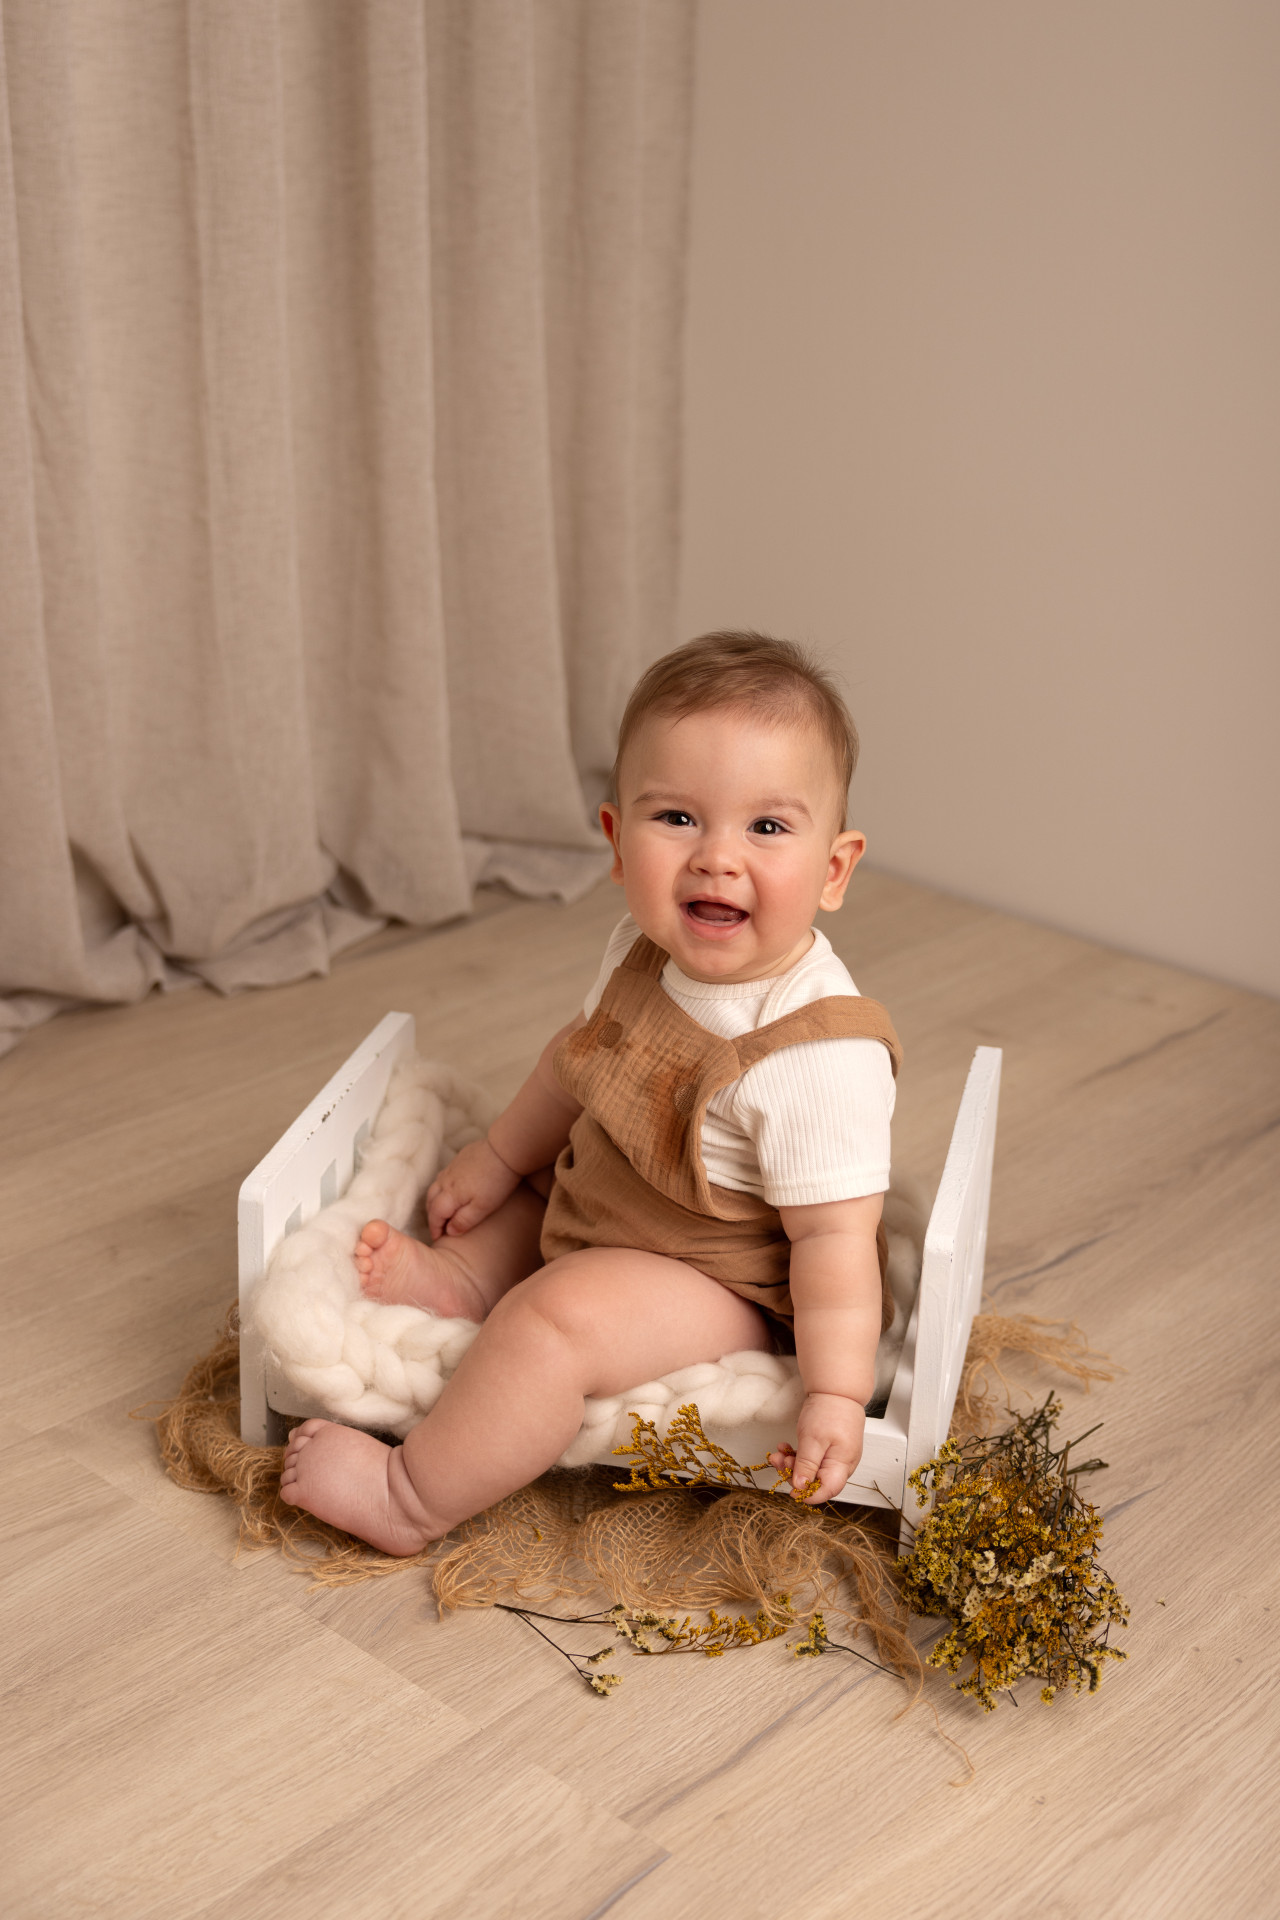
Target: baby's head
{"points": [[734, 760], [771, 683]]}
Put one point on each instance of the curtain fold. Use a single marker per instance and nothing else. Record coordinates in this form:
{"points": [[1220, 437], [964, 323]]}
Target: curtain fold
{"points": [[339, 348]]}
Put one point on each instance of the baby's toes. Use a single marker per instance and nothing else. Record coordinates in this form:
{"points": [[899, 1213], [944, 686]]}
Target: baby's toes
{"points": [[289, 1472]]}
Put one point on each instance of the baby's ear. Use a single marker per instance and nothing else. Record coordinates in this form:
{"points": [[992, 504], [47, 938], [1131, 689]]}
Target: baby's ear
{"points": [[846, 850], [611, 821]]}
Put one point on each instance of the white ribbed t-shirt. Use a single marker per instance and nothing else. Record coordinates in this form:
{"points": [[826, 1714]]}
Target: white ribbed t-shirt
{"points": [[810, 1122]]}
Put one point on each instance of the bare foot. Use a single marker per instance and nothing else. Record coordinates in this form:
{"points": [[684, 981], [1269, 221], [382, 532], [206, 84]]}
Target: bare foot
{"points": [[355, 1482], [403, 1272]]}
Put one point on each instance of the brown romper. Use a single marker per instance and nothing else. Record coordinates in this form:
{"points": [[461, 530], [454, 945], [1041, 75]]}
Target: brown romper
{"points": [[632, 1174]]}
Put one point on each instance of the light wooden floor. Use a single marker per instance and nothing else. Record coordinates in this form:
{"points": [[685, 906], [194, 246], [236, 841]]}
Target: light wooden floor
{"points": [[187, 1735]]}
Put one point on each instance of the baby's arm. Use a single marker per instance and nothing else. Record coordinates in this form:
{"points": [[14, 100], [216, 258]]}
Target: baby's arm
{"points": [[836, 1293], [525, 1137]]}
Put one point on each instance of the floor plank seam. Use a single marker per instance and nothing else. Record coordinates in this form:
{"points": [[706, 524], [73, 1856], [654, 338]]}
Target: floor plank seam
{"points": [[1157, 1046], [612, 1899], [644, 1812], [1060, 1260]]}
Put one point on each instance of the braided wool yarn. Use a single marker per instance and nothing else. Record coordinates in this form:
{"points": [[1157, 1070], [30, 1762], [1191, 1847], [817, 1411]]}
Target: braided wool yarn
{"points": [[378, 1366]]}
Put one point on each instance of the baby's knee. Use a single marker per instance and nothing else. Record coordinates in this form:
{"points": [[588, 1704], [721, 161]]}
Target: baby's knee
{"points": [[549, 1309]]}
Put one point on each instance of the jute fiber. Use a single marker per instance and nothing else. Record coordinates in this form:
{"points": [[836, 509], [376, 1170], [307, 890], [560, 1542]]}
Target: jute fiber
{"points": [[572, 1534], [995, 1337]]}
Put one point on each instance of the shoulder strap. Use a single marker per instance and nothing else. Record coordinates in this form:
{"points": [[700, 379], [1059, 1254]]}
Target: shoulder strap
{"points": [[644, 956], [841, 1016]]}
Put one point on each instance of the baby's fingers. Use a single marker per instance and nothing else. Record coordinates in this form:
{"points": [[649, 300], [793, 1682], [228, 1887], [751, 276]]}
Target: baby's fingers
{"points": [[464, 1216], [808, 1467], [441, 1205], [833, 1477]]}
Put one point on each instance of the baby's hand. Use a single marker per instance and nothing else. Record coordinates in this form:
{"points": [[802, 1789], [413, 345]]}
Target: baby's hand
{"points": [[829, 1445], [473, 1185]]}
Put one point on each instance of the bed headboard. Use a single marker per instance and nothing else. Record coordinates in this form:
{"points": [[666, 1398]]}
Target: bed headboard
{"points": [[308, 1168]]}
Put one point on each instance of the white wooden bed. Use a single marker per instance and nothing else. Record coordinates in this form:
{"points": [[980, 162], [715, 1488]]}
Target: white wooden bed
{"points": [[310, 1166]]}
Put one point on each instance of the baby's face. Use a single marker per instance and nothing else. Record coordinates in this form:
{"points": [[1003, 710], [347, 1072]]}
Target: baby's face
{"points": [[727, 837]]}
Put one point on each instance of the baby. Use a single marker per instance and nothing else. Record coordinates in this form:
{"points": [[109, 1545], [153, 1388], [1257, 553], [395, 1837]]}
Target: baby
{"points": [[697, 1163]]}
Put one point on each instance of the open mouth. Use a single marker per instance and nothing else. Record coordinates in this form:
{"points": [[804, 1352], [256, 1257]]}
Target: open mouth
{"points": [[715, 913]]}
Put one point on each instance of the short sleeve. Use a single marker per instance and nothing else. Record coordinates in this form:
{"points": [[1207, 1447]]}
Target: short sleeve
{"points": [[621, 940], [818, 1116]]}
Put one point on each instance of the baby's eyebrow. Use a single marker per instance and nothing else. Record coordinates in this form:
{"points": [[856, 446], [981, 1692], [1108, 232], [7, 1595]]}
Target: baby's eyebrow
{"points": [[672, 798], [772, 803], [783, 803]]}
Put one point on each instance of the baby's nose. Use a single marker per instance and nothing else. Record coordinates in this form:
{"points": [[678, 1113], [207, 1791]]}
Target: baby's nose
{"points": [[718, 853]]}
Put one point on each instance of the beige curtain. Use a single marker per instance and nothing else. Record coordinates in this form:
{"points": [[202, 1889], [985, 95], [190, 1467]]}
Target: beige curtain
{"points": [[338, 389]]}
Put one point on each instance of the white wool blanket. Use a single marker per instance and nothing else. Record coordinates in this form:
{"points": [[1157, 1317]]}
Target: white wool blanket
{"points": [[334, 1352]]}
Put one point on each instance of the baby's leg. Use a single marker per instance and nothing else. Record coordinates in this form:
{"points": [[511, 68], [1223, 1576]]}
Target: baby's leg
{"points": [[460, 1275], [594, 1322]]}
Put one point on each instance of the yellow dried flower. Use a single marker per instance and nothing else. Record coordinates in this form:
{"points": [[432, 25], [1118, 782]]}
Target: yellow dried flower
{"points": [[684, 1458], [717, 1634], [1009, 1556], [815, 1641]]}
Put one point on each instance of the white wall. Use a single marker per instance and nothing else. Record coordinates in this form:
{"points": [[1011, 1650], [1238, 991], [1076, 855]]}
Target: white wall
{"points": [[983, 399]]}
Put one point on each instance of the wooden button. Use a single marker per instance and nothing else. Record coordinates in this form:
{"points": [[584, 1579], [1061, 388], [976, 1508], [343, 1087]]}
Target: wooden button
{"points": [[609, 1034], [683, 1098]]}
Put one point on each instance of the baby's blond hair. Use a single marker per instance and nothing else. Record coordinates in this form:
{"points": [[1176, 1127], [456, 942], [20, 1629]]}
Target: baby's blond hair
{"points": [[773, 680]]}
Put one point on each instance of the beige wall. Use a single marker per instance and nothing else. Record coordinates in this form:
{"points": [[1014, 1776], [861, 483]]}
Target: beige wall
{"points": [[983, 400]]}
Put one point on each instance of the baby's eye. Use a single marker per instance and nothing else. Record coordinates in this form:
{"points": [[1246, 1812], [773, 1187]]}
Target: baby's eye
{"points": [[675, 817], [767, 827]]}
